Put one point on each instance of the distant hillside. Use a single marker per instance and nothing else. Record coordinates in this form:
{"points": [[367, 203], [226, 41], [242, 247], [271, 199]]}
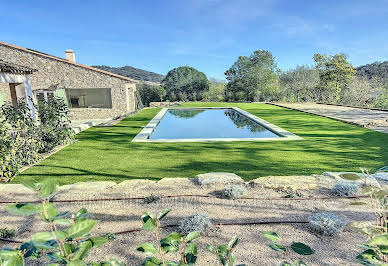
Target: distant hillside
{"points": [[135, 73], [376, 69]]}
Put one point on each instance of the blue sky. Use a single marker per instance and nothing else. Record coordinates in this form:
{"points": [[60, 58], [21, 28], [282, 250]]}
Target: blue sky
{"points": [[206, 34]]}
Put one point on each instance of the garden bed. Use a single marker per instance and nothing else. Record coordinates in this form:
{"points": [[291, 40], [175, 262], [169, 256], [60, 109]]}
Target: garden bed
{"points": [[312, 195]]}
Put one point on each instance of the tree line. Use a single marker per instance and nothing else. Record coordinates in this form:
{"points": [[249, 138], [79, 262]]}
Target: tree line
{"points": [[332, 79]]}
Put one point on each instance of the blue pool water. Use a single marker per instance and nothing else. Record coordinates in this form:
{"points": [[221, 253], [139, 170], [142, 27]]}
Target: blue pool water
{"points": [[208, 124]]}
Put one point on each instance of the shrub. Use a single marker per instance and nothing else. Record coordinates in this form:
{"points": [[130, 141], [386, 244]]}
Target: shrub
{"points": [[19, 139], [345, 188], [233, 192], [7, 233], [195, 223], [327, 224], [55, 127], [150, 93]]}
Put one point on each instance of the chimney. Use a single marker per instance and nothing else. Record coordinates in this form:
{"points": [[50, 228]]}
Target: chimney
{"points": [[70, 55]]}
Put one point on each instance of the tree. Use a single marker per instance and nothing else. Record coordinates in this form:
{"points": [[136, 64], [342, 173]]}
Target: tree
{"points": [[185, 83], [298, 84], [253, 78], [216, 91], [335, 74], [150, 93]]}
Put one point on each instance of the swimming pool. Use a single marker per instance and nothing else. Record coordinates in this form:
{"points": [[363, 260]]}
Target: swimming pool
{"points": [[209, 124]]}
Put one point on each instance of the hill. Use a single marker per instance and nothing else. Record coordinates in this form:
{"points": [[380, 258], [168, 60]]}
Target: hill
{"points": [[376, 69], [132, 72]]}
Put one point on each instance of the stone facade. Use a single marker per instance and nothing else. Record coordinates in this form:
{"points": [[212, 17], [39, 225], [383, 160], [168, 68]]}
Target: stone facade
{"points": [[58, 73]]}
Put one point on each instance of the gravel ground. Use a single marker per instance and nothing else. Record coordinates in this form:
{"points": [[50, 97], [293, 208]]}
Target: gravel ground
{"points": [[117, 216]]}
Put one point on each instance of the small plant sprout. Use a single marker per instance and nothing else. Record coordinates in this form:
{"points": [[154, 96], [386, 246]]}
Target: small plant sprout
{"points": [[225, 252], [375, 252], [151, 198], [345, 189], [68, 246], [326, 223], [297, 247], [233, 192], [174, 242], [195, 223]]}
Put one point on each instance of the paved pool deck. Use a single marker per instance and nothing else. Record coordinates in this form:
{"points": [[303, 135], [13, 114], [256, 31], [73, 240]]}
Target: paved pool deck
{"points": [[373, 119]]}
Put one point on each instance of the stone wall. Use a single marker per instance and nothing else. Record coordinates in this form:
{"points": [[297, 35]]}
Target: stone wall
{"points": [[163, 104], [54, 73]]}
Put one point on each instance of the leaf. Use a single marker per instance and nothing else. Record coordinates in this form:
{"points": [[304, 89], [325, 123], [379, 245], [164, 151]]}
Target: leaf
{"points": [[47, 236], [358, 203], [82, 214], [11, 258], [369, 257], [62, 221], [233, 242], [380, 240], [192, 236], [30, 250], [302, 249], [350, 176], [82, 250], [23, 209], [81, 228], [149, 222], [277, 247], [152, 262], [147, 248], [49, 211], [98, 241], [273, 236], [190, 253], [29, 184], [47, 188], [163, 214], [171, 242], [299, 263], [51, 244]]}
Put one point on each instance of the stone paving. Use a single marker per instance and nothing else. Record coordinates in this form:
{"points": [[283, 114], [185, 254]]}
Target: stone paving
{"points": [[372, 119]]}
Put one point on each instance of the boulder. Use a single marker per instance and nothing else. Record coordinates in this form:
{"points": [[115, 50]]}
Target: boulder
{"points": [[217, 178], [363, 179]]}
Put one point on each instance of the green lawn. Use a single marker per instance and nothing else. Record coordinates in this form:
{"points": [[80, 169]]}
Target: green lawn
{"points": [[106, 153]]}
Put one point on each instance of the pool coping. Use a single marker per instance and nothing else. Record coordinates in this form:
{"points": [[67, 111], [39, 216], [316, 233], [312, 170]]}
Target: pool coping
{"points": [[146, 132]]}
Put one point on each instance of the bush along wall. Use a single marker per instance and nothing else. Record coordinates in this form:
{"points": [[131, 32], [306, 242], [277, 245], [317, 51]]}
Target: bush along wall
{"points": [[23, 138]]}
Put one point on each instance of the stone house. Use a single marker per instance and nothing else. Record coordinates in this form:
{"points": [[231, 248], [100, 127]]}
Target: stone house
{"points": [[90, 93]]}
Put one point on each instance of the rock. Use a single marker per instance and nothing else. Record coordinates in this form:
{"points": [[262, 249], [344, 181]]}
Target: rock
{"points": [[364, 180], [381, 176], [286, 182], [218, 178], [133, 184], [87, 186]]}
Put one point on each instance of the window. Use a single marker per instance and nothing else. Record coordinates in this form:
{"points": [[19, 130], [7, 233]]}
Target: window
{"points": [[44, 95], [89, 98]]}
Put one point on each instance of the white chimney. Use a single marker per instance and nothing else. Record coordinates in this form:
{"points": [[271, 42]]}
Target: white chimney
{"points": [[70, 55]]}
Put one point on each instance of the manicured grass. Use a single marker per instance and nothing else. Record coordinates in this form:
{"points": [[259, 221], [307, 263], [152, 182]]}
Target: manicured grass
{"points": [[106, 153]]}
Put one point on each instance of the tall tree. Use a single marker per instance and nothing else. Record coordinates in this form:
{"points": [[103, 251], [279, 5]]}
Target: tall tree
{"points": [[298, 84], [185, 82], [335, 74], [253, 78]]}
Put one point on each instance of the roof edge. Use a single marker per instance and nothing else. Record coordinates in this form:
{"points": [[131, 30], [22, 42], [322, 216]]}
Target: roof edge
{"points": [[68, 62]]}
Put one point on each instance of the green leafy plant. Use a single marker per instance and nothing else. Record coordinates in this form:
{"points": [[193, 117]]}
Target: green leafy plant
{"points": [[297, 247], [174, 242], [7, 233], [68, 246], [376, 251], [225, 252]]}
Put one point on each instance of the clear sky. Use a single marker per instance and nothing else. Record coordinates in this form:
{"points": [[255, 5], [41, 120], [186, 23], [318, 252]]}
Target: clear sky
{"points": [[206, 34]]}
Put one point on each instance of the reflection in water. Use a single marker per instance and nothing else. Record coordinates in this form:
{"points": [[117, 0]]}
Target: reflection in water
{"points": [[241, 121], [186, 114]]}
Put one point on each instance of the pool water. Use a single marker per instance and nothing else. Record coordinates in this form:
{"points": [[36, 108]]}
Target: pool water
{"points": [[208, 124]]}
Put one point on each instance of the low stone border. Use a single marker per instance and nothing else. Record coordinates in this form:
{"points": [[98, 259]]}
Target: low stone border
{"points": [[145, 133]]}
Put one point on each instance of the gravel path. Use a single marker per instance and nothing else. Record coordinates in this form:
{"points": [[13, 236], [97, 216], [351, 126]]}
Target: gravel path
{"points": [[373, 119], [123, 215]]}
